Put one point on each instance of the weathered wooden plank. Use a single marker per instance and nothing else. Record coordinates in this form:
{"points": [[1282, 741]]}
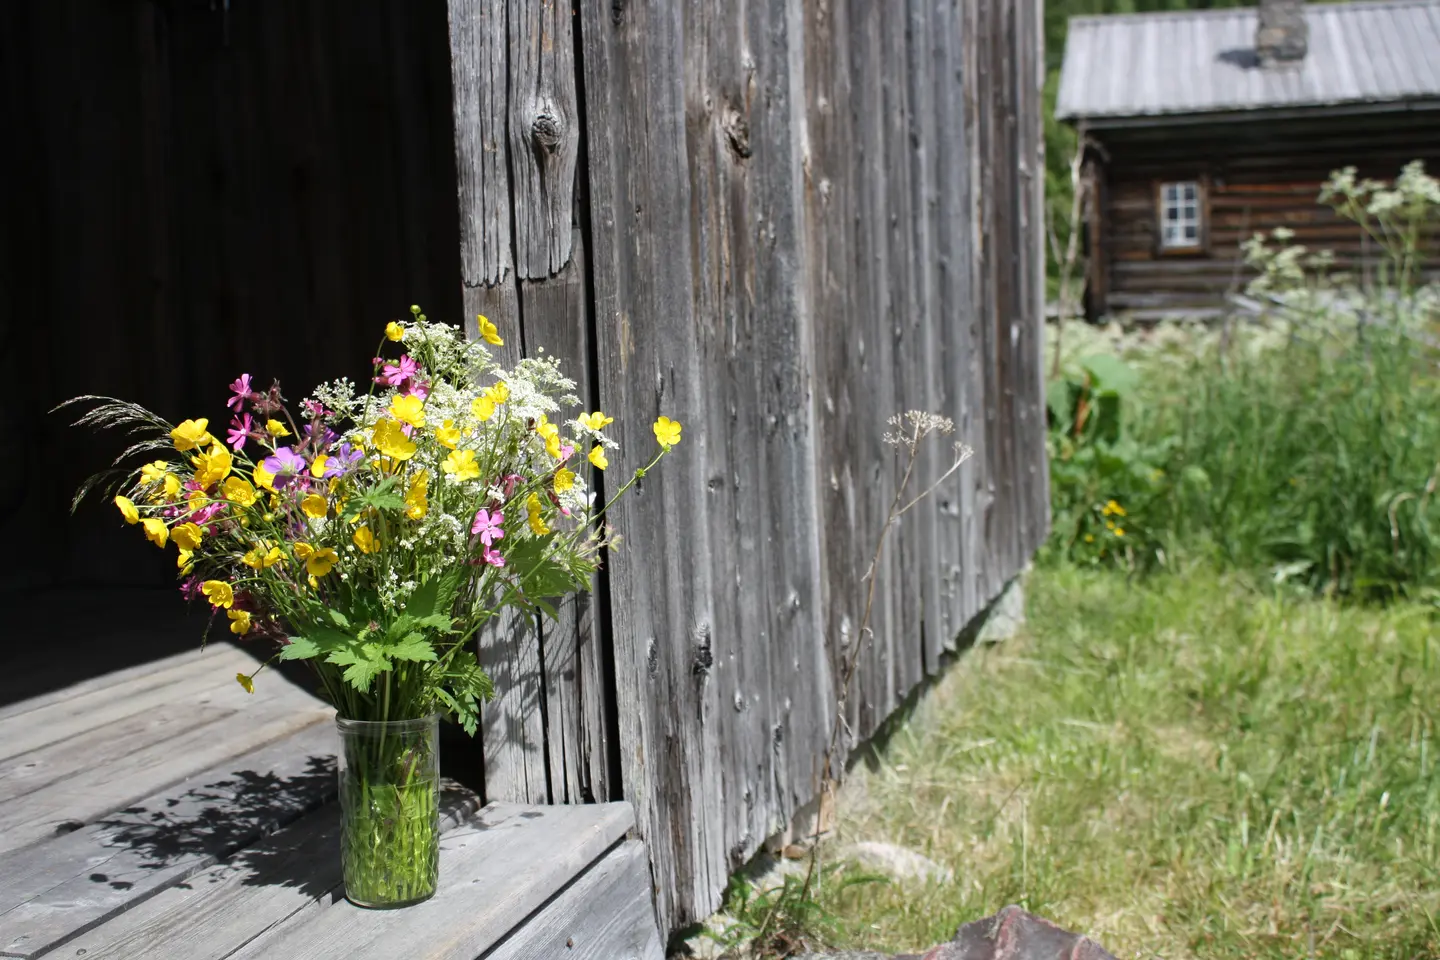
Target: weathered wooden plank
{"points": [[606, 914], [286, 878], [164, 698], [497, 867], [114, 778], [647, 351], [141, 676], [55, 890]]}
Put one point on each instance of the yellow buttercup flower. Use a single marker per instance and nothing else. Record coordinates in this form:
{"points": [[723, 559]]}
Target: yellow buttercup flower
{"points": [[245, 681], [390, 440], [482, 408], [154, 472], [239, 491], [461, 465], [317, 466], [489, 332], [276, 429], [595, 421], [212, 467], [128, 509], [533, 506], [598, 458], [303, 550], [182, 561], [409, 410], [187, 536], [156, 531], [261, 557], [219, 593], [564, 480], [191, 434], [417, 503], [394, 332], [365, 539], [1112, 509], [667, 431], [173, 486], [498, 392], [550, 434], [321, 562], [239, 621], [314, 506], [264, 478], [448, 434]]}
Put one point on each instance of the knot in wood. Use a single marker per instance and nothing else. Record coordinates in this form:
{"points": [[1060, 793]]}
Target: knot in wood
{"points": [[737, 133], [546, 132]]}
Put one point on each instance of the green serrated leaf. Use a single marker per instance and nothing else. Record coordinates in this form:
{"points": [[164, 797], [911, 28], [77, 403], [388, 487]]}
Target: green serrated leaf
{"points": [[413, 647], [440, 622], [546, 609], [340, 619], [299, 648], [362, 673]]}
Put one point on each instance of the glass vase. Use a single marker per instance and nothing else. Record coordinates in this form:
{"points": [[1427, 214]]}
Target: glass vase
{"points": [[390, 810]]}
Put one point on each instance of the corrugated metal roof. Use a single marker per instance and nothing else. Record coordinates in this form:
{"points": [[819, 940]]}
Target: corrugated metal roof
{"points": [[1138, 65]]}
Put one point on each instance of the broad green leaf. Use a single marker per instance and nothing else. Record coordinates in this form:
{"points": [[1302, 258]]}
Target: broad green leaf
{"points": [[299, 648], [340, 619], [413, 647], [1111, 374]]}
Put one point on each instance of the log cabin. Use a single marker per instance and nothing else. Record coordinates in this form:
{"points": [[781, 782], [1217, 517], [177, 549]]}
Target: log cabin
{"points": [[1202, 128]]}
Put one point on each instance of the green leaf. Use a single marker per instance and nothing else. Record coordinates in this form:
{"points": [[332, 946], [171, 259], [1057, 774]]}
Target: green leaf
{"points": [[439, 622], [546, 609], [382, 496], [299, 648], [436, 595], [328, 638], [413, 647], [1110, 374], [362, 673], [340, 619]]}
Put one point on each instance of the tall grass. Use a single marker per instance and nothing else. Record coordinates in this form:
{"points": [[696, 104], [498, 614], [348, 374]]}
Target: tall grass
{"points": [[1183, 767]]}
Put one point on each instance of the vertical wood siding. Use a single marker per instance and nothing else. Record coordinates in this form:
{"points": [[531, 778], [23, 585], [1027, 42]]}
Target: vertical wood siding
{"points": [[792, 219]]}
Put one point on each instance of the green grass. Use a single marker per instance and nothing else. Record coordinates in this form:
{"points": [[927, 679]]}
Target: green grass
{"points": [[1180, 767]]}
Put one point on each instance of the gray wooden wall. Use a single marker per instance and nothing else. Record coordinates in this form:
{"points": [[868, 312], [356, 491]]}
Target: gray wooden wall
{"points": [[780, 222]]}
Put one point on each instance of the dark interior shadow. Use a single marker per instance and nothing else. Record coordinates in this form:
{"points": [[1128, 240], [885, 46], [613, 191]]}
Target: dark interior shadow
{"points": [[1243, 57]]}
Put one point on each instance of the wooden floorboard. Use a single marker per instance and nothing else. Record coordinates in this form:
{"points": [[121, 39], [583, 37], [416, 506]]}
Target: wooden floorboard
{"points": [[606, 914], [494, 870], [52, 890], [279, 879]]}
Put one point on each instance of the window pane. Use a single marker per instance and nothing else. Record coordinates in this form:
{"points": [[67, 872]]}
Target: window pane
{"points": [[1191, 233], [1190, 193], [1168, 194], [1171, 214], [1169, 236], [1189, 213]]}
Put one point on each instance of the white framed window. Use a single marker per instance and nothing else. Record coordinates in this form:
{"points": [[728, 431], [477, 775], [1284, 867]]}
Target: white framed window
{"points": [[1180, 215]]}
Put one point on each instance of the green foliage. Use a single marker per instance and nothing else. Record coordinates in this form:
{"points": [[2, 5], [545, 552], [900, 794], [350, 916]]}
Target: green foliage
{"points": [[783, 920], [1187, 766]]}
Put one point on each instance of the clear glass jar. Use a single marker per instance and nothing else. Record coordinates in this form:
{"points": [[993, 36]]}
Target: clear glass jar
{"points": [[390, 810]]}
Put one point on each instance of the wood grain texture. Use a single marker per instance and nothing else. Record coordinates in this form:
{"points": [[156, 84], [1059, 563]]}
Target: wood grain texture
{"points": [[284, 879], [606, 914], [497, 867], [51, 891]]}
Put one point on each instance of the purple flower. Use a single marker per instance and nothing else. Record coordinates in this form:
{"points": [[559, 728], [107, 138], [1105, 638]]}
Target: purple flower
{"points": [[342, 460], [240, 428], [327, 436], [190, 588], [242, 393], [487, 525], [395, 375], [316, 409], [285, 464]]}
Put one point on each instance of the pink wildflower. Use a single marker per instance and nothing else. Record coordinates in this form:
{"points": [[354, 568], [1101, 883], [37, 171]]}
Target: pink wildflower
{"points": [[395, 375], [487, 525], [242, 393], [240, 429], [510, 481], [492, 557], [565, 452]]}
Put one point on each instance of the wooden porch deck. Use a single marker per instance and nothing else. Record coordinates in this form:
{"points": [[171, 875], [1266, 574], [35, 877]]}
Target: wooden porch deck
{"points": [[160, 811]]}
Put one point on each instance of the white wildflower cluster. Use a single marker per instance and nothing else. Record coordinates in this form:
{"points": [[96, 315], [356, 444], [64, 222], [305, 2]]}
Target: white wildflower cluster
{"points": [[337, 396]]}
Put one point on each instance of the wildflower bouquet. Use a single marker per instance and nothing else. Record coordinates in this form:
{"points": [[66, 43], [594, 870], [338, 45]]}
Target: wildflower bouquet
{"points": [[372, 534]]}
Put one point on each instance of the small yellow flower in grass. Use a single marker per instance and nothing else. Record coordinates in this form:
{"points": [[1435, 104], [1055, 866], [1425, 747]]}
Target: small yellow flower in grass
{"points": [[417, 502], [321, 562], [448, 434], [667, 431], [187, 536], [264, 478], [317, 467], [461, 465], [239, 491], [391, 440], [533, 506], [1119, 531], [409, 410], [365, 539], [245, 681], [595, 421], [315, 506], [564, 480], [394, 332], [156, 531], [219, 593], [212, 467], [276, 429], [1112, 508], [127, 509], [489, 332], [598, 458], [191, 435]]}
